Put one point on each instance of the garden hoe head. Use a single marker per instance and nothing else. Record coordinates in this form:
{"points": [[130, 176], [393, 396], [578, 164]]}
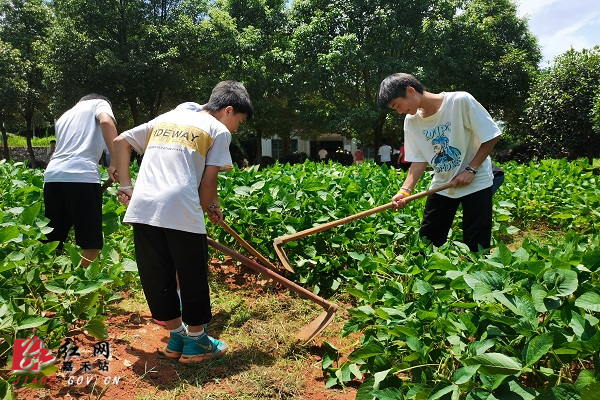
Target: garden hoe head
{"points": [[280, 241], [316, 326]]}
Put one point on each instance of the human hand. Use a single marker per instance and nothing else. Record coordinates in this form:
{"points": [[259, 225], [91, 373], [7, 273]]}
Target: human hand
{"points": [[215, 215], [124, 195], [398, 201], [112, 173], [463, 179]]}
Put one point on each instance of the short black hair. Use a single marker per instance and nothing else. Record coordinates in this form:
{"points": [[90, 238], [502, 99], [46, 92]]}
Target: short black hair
{"points": [[95, 96], [394, 86], [230, 93]]}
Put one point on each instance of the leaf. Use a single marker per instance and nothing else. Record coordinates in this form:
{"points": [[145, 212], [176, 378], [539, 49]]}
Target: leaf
{"points": [[387, 394], [29, 214], [365, 390], [564, 391], [31, 321], [495, 364], [369, 350], [8, 233], [585, 378], [464, 374], [589, 301], [85, 287], [96, 328], [517, 305], [379, 377], [242, 190], [439, 393], [564, 280], [538, 347], [590, 392], [129, 265]]}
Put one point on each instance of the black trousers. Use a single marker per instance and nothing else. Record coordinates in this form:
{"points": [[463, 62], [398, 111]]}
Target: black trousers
{"points": [[477, 218], [162, 252]]}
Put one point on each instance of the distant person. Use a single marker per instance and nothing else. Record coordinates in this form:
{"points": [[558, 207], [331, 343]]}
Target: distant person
{"points": [[322, 154], [359, 156], [385, 153], [498, 179], [454, 134], [72, 191], [402, 163], [50, 151]]}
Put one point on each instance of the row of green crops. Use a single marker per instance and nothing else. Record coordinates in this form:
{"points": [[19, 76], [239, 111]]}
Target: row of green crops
{"points": [[443, 323], [436, 323], [45, 291]]}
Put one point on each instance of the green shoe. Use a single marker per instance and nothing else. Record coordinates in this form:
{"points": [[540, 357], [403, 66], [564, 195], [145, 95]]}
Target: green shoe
{"points": [[175, 346], [196, 349]]}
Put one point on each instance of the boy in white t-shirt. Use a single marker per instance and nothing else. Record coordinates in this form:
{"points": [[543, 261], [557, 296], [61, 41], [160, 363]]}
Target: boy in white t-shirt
{"points": [[454, 134], [184, 150], [72, 191]]}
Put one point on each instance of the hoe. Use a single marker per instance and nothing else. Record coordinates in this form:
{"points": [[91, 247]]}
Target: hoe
{"points": [[318, 324], [280, 241]]}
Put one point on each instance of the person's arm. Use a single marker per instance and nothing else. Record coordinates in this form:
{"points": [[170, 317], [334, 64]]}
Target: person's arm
{"points": [[109, 133], [466, 177], [400, 155], [120, 159], [209, 197], [415, 172]]}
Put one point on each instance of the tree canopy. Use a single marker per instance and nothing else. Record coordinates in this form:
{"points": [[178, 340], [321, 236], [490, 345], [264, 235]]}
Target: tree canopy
{"points": [[562, 108], [311, 66]]}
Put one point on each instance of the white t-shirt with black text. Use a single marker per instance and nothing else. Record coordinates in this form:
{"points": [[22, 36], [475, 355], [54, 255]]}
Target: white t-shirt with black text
{"points": [[177, 146]]}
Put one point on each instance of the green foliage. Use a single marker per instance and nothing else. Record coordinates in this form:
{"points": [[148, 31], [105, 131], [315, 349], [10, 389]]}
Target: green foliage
{"points": [[560, 116], [449, 321], [435, 322], [46, 291], [446, 321], [489, 41]]}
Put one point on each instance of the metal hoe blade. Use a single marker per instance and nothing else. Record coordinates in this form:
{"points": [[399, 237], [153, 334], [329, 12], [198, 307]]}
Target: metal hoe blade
{"points": [[319, 323]]}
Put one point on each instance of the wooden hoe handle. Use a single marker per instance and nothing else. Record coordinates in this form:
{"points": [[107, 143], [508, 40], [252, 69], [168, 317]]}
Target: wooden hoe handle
{"points": [[333, 224]]}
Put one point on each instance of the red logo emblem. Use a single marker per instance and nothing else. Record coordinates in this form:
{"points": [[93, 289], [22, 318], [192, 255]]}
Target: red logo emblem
{"points": [[30, 355]]}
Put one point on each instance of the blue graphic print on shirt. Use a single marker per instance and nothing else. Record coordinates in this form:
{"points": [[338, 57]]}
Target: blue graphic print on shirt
{"points": [[446, 157]]}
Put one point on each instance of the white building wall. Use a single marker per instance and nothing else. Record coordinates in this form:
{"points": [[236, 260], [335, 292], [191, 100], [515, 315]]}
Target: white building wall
{"points": [[266, 147]]}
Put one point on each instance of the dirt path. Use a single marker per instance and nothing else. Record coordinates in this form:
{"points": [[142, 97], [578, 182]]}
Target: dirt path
{"points": [[258, 321]]}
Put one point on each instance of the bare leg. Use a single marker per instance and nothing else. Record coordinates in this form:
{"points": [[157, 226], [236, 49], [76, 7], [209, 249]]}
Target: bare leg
{"points": [[88, 256]]}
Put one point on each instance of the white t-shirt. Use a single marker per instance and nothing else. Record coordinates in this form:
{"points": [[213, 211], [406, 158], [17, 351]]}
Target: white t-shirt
{"points": [[79, 144], [180, 143], [385, 152], [449, 139]]}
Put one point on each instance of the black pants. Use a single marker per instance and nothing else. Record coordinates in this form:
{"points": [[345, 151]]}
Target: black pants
{"points": [[160, 253], [477, 218]]}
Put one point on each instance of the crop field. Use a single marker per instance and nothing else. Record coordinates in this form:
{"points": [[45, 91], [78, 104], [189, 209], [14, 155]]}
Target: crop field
{"points": [[521, 320]]}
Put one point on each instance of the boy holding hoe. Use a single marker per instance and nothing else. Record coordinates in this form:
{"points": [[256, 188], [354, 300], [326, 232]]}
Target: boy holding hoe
{"points": [[184, 150], [454, 134]]}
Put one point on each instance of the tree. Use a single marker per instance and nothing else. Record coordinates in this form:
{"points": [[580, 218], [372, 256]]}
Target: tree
{"points": [[144, 55], [559, 120], [345, 48], [26, 26], [487, 50], [12, 89], [261, 59]]}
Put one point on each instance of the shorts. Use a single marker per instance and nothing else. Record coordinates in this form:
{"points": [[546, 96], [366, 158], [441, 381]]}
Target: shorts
{"points": [[79, 205]]}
